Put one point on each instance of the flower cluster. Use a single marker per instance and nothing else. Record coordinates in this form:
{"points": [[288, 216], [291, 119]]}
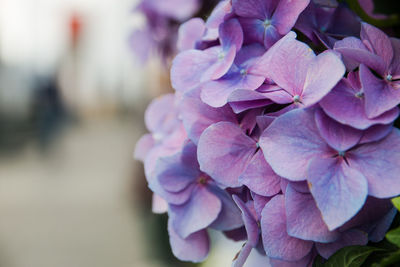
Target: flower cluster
{"points": [[288, 145], [162, 19]]}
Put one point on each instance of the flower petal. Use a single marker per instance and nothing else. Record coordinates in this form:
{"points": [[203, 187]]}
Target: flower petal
{"points": [[338, 189], [260, 178], [290, 142], [198, 213], [286, 14], [193, 248], [277, 243], [224, 152], [304, 219], [380, 164]]}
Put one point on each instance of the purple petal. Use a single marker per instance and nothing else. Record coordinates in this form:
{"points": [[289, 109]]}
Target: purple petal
{"points": [[324, 73], [376, 133], [304, 219], [169, 8], [259, 9], [175, 173], [355, 50], [379, 95], [231, 34], [338, 136], [229, 218], [339, 190], [189, 33], [259, 68], [242, 255], [219, 13], [288, 65], [286, 14], [349, 238], [216, 93], [277, 243], [191, 67], [278, 96], [241, 100], [380, 164], [250, 222], [198, 213], [224, 152], [290, 142], [271, 36], [259, 203], [345, 106], [304, 262], [380, 230], [253, 29], [193, 248], [379, 41], [197, 116], [260, 178]]}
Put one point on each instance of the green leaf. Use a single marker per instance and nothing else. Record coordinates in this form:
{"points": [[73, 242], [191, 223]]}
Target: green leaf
{"points": [[396, 202], [394, 236], [393, 259], [352, 256]]}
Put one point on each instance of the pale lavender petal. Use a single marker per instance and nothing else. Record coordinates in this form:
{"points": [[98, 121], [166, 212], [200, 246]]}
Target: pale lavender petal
{"points": [[143, 147], [380, 164], [286, 14], [379, 95], [197, 116], [158, 204], [216, 93], [198, 213], [189, 33], [261, 67], [160, 116], [379, 41], [218, 14], [345, 106], [288, 65], [338, 189], [230, 217], [325, 71], [242, 255], [340, 137], [224, 152], [290, 142], [277, 243], [169, 8], [193, 248], [278, 96], [241, 100], [304, 219], [260, 178], [349, 238]]}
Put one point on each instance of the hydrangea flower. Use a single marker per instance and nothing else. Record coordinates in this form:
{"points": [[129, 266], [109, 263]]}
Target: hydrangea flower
{"points": [[272, 139]]}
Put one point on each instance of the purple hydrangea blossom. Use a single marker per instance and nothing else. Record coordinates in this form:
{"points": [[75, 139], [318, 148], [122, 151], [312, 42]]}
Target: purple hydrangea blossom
{"points": [[375, 51], [290, 149]]}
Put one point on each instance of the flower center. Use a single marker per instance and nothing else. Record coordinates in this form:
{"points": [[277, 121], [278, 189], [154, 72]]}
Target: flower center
{"points": [[243, 72], [221, 55], [359, 94], [296, 99], [341, 153], [389, 78], [202, 179], [267, 23]]}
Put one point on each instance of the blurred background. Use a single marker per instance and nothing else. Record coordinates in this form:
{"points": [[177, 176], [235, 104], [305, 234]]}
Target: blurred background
{"points": [[72, 99]]}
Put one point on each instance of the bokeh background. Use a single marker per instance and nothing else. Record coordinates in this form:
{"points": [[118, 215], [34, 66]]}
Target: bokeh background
{"points": [[72, 99]]}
